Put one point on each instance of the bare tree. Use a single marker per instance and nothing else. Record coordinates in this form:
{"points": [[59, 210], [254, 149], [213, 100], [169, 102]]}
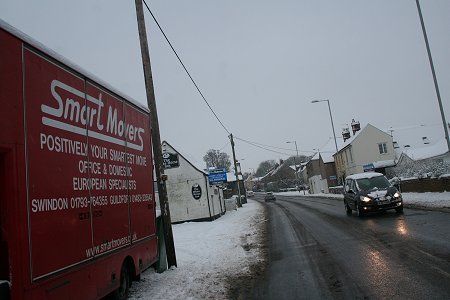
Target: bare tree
{"points": [[215, 158], [264, 167]]}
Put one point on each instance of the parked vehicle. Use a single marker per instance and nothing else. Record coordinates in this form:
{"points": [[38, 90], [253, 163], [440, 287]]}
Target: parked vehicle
{"points": [[77, 207], [269, 196], [370, 192], [250, 194]]}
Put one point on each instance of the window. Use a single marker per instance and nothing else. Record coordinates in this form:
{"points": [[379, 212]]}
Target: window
{"points": [[348, 184], [351, 154], [353, 186], [369, 184], [382, 148]]}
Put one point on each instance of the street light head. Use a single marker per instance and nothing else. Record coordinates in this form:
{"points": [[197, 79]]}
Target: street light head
{"points": [[323, 100]]}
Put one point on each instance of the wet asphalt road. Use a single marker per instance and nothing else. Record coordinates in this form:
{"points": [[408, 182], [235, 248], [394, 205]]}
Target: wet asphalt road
{"points": [[317, 251]]}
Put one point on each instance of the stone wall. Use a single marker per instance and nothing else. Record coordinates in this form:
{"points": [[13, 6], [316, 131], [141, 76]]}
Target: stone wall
{"points": [[422, 185]]}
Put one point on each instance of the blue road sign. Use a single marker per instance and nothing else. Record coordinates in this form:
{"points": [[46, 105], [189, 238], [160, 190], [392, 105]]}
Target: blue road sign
{"points": [[217, 176]]}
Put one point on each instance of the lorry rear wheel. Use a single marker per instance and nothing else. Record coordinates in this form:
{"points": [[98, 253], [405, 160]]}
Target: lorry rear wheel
{"points": [[122, 292]]}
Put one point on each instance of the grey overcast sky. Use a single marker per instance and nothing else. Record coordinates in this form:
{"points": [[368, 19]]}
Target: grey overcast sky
{"points": [[259, 64]]}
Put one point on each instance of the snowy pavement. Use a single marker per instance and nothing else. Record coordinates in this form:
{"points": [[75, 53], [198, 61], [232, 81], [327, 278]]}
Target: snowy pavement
{"points": [[210, 256], [213, 256]]}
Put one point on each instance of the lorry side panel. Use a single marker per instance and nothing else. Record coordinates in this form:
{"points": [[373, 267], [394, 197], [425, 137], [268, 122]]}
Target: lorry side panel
{"points": [[77, 200], [59, 224], [109, 165]]}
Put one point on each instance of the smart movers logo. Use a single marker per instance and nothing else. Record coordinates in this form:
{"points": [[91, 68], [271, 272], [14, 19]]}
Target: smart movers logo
{"points": [[70, 109]]}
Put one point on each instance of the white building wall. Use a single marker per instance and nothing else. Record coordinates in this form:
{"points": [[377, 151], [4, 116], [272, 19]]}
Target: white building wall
{"points": [[365, 149], [318, 185], [183, 205], [217, 203]]}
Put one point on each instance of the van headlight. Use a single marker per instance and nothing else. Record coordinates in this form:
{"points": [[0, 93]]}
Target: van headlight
{"points": [[365, 199], [397, 195]]}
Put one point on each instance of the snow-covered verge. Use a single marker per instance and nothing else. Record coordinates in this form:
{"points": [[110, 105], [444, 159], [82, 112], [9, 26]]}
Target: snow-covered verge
{"points": [[214, 258], [413, 200]]}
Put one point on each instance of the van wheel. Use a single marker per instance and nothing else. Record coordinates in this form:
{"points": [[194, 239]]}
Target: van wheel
{"points": [[122, 292], [359, 211]]}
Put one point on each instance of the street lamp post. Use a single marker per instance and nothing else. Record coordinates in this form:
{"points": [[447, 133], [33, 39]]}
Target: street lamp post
{"points": [[438, 94], [295, 161], [252, 178], [331, 118]]}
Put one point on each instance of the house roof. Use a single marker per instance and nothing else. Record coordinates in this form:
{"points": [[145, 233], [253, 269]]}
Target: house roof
{"points": [[364, 175], [357, 134], [384, 163], [428, 151], [202, 171], [353, 137], [413, 135], [328, 150]]}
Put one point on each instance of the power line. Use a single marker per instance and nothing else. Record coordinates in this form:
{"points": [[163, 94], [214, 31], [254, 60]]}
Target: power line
{"points": [[228, 143], [262, 146], [184, 67]]}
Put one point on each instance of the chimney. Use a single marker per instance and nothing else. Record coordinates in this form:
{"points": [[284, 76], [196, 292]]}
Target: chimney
{"points": [[345, 134], [425, 140], [355, 126]]}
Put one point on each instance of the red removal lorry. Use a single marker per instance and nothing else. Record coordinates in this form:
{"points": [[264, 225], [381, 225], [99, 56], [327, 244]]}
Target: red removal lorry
{"points": [[77, 207]]}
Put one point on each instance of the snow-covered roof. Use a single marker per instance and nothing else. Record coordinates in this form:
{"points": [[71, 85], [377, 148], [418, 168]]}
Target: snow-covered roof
{"points": [[188, 161], [428, 151], [295, 167], [273, 171], [256, 179], [351, 139], [383, 163], [364, 175], [328, 150], [414, 135], [327, 157], [355, 136]]}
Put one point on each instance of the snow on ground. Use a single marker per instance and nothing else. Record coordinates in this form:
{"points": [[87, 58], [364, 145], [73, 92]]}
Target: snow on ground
{"points": [[206, 252], [210, 255]]}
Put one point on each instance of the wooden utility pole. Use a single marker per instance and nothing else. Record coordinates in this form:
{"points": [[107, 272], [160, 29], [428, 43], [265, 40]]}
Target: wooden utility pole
{"points": [[157, 152], [236, 171]]}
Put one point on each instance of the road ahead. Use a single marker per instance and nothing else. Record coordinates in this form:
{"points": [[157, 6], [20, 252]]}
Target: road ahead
{"points": [[319, 252]]}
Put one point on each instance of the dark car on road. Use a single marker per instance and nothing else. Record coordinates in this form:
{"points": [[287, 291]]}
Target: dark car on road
{"points": [[370, 192], [269, 196]]}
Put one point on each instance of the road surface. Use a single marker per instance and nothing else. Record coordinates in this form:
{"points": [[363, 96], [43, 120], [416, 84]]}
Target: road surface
{"points": [[317, 251]]}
